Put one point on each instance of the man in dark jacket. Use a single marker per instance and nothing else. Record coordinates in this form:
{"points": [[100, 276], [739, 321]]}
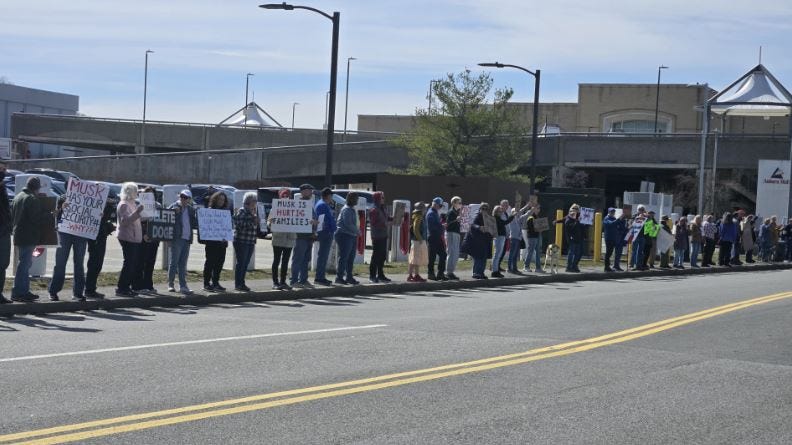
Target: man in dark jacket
{"points": [[575, 237], [615, 229], [26, 216], [436, 241], [5, 233], [97, 248]]}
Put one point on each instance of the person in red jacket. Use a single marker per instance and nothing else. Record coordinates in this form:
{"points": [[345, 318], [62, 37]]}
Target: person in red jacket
{"points": [[380, 221]]}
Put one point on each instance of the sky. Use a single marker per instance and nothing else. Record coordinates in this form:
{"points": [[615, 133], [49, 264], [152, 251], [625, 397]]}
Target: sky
{"points": [[203, 50]]}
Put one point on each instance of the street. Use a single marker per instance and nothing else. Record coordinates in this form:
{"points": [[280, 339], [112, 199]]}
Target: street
{"points": [[687, 359]]}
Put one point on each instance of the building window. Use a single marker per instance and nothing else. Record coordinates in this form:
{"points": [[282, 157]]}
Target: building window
{"points": [[637, 122], [638, 126]]}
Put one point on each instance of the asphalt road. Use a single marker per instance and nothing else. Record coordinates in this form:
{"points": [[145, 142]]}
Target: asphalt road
{"points": [[719, 376]]}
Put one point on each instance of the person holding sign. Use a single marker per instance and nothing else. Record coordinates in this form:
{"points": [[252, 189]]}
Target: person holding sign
{"points": [[533, 241], [67, 242], [453, 236], [246, 223], [215, 250], [301, 255], [478, 241], [186, 222], [346, 236], [144, 273], [130, 235], [380, 222], [282, 245], [97, 249], [575, 237]]}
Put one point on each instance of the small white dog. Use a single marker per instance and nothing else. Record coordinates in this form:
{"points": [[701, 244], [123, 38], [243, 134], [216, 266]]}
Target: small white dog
{"points": [[551, 258]]}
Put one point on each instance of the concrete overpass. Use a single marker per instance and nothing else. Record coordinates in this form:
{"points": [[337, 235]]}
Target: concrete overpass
{"points": [[125, 136]]}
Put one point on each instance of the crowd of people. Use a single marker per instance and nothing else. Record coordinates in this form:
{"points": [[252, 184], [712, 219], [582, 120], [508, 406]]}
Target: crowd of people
{"points": [[438, 240]]}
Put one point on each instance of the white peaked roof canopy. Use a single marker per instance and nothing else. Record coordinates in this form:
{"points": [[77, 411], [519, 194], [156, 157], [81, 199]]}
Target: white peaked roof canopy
{"points": [[251, 116], [757, 93]]}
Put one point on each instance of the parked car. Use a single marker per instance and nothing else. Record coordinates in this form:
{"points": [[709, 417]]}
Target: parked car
{"points": [[201, 192], [58, 175], [368, 194]]}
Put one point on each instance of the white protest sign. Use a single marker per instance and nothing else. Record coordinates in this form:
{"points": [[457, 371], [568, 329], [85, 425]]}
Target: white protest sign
{"points": [[664, 241], [262, 214], [586, 216], [83, 208], [467, 214], [149, 203], [215, 225], [291, 215]]}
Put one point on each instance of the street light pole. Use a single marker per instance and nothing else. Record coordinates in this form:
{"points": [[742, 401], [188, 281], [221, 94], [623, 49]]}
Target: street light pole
{"points": [[247, 88], [145, 94], [657, 97], [294, 105], [346, 101], [336, 19], [534, 134]]}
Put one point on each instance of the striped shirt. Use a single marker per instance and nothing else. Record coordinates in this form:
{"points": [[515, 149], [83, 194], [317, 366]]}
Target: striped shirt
{"points": [[708, 230]]}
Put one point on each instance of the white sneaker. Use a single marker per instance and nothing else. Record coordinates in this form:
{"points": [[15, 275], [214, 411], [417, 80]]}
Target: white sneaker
{"points": [[185, 291], [171, 288]]}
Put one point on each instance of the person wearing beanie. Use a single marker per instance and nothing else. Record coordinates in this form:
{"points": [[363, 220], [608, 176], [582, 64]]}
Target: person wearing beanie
{"points": [[379, 221], [436, 241], [27, 217]]}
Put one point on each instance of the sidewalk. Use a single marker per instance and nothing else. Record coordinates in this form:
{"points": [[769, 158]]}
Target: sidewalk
{"points": [[262, 289]]}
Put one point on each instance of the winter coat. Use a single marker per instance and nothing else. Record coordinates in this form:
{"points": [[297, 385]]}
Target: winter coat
{"points": [[681, 237], [477, 242], [27, 218], [747, 235]]}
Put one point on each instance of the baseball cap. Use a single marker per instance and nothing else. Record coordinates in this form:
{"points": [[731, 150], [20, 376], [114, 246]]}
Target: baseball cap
{"points": [[306, 187], [611, 209], [186, 192], [438, 200]]}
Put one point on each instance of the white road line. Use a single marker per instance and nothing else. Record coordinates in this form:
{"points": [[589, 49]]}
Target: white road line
{"points": [[190, 342]]}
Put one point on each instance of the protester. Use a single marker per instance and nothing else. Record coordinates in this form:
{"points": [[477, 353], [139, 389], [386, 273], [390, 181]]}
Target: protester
{"points": [[346, 237], [453, 236], [650, 231], [696, 240], [786, 235], [27, 217], [681, 234], [709, 231], [664, 256], [144, 273], [186, 222], [419, 255], [214, 251], [436, 241], [737, 218], [728, 233], [765, 241], [514, 233], [324, 235], [97, 248], [380, 222], [748, 237], [5, 233], [301, 254], [636, 260], [282, 245], [66, 243], [533, 241], [575, 236], [130, 235], [615, 229], [502, 219], [246, 224], [478, 241], [775, 234]]}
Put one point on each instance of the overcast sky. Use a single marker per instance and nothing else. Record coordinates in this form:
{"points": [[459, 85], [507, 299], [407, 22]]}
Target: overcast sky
{"points": [[204, 48]]}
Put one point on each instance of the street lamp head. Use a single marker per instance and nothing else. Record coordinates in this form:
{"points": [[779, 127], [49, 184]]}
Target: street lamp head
{"points": [[662, 67], [148, 51], [351, 58], [285, 6], [492, 65]]}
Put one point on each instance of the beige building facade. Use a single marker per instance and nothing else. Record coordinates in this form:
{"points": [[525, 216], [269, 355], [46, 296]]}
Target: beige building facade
{"points": [[619, 108]]}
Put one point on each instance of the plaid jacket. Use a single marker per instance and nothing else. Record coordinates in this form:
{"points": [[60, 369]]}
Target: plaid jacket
{"points": [[245, 227]]}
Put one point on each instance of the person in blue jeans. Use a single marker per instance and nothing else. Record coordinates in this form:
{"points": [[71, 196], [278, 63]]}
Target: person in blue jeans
{"points": [[186, 222], [301, 255], [26, 215], [533, 242], [324, 235], [67, 242], [575, 236], [346, 237], [246, 224]]}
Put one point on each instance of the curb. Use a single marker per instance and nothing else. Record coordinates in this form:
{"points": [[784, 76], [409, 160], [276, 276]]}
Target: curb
{"points": [[373, 289]]}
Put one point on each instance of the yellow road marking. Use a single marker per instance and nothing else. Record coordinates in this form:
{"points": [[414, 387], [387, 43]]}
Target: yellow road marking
{"points": [[398, 379]]}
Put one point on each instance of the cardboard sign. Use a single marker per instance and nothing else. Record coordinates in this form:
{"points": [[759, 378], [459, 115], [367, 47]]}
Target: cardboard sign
{"points": [[541, 224], [83, 209], [149, 203], [586, 216], [162, 226], [664, 241], [48, 236], [215, 225], [291, 215]]}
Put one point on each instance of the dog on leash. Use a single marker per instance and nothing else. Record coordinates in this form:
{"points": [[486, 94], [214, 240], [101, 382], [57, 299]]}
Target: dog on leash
{"points": [[552, 256]]}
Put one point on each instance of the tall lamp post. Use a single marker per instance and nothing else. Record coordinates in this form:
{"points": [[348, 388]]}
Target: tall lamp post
{"points": [[294, 106], [247, 89], [534, 135], [336, 19], [346, 101], [657, 97], [145, 94]]}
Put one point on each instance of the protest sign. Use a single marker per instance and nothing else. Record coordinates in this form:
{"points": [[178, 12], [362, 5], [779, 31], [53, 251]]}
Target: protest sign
{"points": [[149, 203], [215, 225], [162, 226], [665, 241], [398, 212], [83, 208], [262, 214], [635, 229], [468, 215], [586, 216], [291, 215], [541, 224], [48, 235]]}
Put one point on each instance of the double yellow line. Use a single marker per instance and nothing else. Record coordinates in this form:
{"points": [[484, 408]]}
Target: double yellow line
{"points": [[137, 422]]}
